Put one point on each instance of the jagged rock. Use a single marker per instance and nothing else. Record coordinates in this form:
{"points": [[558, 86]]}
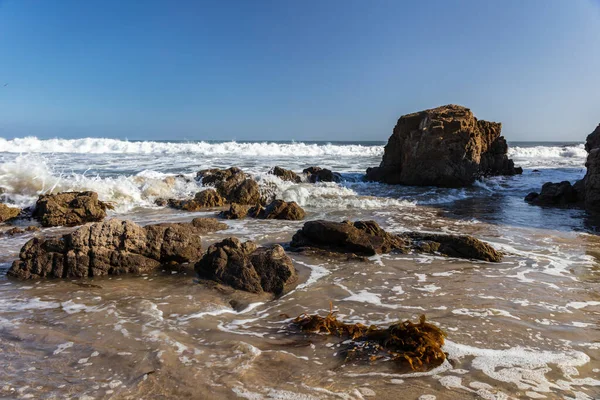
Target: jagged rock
{"points": [[233, 184], [208, 198], [244, 266], [279, 209], [7, 212], [285, 174], [318, 174], [236, 211], [18, 231], [361, 237], [444, 146], [592, 141], [459, 246], [556, 194], [112, 247], [70, 209]]}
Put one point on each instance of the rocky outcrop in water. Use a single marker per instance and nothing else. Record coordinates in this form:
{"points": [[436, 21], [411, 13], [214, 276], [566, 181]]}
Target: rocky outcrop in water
{"points": [[444, 146], [285, 174], [279, 209], [245, 266], [367, 238], [584, 193], [208, 198], [7, 213], [70, 209], [113, 247], [233, 184], [318, 174], [235, 211]]}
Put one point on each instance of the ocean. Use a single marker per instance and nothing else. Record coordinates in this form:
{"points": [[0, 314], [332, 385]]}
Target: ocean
{"points": [[524, 328]]}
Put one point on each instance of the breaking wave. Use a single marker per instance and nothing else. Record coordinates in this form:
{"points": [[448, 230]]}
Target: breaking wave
{"points": [[569, 156]]}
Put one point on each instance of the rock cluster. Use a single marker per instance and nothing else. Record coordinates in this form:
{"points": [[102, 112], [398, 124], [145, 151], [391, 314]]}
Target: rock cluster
{"points": [[584, 193], [277, 209], [245, 266], [285, 174], [444, 146], [208, 198], [232, 184], [112, 247], [69, 209], [318, 174], [367, 238]]}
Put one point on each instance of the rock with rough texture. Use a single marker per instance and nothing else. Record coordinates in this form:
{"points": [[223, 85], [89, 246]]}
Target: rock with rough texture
{"points": [[279, 209], [7, 212], [285, 174], [112, 247], [459, 246], [561, 194], [318, 174], [236, 211], [70, 209], [245, 266], [591, 181], [208, 198], [233, 184], [444, 146], [361, 237]]}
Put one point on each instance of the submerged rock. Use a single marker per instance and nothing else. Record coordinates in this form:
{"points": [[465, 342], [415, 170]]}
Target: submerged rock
{"points": [[233, 184], [7, 213], [279, 209], [444, 146], [367, 238], [245, 266], [459, 246], [318, 174], [208, 198], [112, 247], [236, 211], [70, 209], [285, 174], [19, 231], [557, 194], [361, 237]]}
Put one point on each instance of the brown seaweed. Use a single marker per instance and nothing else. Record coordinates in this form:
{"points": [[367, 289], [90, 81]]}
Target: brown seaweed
{"points": [[417, 344]]}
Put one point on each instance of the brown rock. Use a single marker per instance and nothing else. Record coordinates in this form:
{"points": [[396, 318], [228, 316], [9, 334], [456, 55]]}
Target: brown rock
{"points": [[279, 209], [7, 212], [111, 247], [445, 146], [236, 211], [208, 198], [70, 209], [233, 184], [459, 246], [361, 237], [244, 266], [318, 174], [285, 174]]}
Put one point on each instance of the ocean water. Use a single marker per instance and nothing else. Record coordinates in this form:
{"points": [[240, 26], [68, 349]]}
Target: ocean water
{"points": [[524, 328]]}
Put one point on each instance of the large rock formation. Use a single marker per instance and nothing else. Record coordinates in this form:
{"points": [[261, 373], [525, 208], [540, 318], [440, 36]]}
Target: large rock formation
{"points": [[367, 238], [112, 247], [7, 212], [445, 146], [584, 193], [233, 184], [245, 266], [70, 209], [285, 174]]}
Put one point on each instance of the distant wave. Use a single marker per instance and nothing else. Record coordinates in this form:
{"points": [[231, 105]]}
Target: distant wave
{"points": [[115, 146], [549, 156]]}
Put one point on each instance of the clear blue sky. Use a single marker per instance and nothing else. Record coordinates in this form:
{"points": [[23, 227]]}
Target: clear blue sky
{"points": [[321, 70]]}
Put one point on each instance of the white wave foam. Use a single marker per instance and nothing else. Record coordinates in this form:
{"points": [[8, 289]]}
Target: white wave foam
{"points": [[549, 156], [115, 146]]}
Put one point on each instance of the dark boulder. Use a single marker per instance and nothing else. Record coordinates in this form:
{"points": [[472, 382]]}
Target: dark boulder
{"points": [[235, 211], [318, 174], [233, 184], [70, 209], [112, 247], [279, 209], [459, 246], [361, 237], [561, 194], [285, 174], [444, 146], [245, 266]]}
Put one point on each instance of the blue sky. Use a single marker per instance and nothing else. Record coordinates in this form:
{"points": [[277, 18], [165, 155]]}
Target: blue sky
{"points": [[280, 70]]}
